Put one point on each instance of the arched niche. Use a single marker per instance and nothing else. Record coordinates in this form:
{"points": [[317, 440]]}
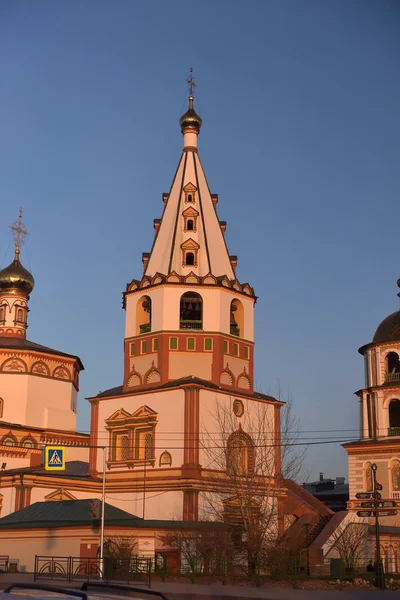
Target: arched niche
{"points": [[191, 311], [237, 318], [368, 485], [143, 315], [239, 454], [394, 417], [392, 367]]}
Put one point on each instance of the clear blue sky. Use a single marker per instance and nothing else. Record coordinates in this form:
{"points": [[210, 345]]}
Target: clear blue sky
{"points": [[300, 106]]}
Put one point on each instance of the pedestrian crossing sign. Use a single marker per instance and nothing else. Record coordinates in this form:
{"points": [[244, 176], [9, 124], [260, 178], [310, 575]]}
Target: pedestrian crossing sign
{"points": [[55, 458]]}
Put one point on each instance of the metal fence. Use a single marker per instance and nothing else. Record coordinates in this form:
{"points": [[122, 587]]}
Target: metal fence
{"points": [[72, 568]]}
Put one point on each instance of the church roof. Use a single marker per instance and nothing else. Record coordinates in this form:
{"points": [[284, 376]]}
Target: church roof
{"points": [[76, 513], [74, 469], [189, 188], [63, 513], [20, 344], [119, 390], [389, 329]]}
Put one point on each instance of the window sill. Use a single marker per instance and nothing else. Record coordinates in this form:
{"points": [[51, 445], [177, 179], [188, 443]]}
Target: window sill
{"points": [[131, 463]]}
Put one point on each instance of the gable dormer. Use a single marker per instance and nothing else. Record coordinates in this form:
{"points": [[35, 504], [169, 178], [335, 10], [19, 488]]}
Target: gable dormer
{"points": [[190, 216], [190, 250], [190, 192]]}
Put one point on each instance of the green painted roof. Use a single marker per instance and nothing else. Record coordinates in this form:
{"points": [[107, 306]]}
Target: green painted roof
{"points": [[76, 513], [64, 513]]}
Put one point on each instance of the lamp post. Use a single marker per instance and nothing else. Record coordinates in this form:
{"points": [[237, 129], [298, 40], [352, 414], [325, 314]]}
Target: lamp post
{"points": [[103, 501], [380, 580]]}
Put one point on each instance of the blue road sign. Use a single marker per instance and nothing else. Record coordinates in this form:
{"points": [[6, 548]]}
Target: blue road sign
{"points": [[55, 458]]}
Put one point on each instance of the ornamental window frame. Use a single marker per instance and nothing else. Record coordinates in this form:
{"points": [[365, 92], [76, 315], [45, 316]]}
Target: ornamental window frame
{"points": [[190, 214], [20, 315], [130, 444], [190, 247], [3, 312], [190, 193]]}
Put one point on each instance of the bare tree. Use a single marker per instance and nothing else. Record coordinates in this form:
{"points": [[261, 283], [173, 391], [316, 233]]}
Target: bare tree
{"points": [[351, 543], [120, 547], [248, 459], [202, 550]]}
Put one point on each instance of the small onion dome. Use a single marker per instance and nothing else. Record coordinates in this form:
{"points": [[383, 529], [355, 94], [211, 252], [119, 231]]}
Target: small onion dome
{"points": [[190, 118], [16, 276]]}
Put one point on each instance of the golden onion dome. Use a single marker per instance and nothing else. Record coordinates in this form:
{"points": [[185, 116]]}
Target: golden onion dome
{"points": [[190, 118], [16, 276]]}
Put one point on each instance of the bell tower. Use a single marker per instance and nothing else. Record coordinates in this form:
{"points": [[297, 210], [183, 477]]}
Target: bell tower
{"points": [[379, 417], [189, 315]]}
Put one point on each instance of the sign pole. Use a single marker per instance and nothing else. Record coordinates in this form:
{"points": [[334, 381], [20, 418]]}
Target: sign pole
{"points": [[379, 574], [103, 501]]}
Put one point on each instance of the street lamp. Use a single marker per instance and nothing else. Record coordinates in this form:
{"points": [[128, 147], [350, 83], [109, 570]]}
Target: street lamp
{"points": [[380, 581]]}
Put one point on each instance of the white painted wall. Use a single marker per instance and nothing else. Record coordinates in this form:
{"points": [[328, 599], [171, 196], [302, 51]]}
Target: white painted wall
{"points": [[166, 309], [249, 421], [169, 406], [38, 401]]}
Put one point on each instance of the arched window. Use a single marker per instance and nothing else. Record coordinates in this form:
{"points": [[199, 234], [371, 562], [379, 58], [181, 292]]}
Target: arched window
{"points": [[148, 446], [189, 258], [143, 315], [191, 311], [124, 447], [237, 318], [395, 475], [189, 225], [368, 486], [394, 417], [9, 440], [190, 198], [240, 454], [1, 407], [2, 313], [20, 315], [28, 443], [392, 367]]}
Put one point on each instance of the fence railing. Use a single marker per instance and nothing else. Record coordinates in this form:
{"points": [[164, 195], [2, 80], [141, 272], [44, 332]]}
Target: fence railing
{"points": [[392, 377], [393, 431], [184, 324], [145, 328], [72, 568]]}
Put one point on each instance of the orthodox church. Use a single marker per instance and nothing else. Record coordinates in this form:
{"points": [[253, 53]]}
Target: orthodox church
{"points": [[188, 348], [379, 417]]}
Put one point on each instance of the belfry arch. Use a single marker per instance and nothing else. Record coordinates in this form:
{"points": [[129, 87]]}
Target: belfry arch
{"points": [[191, 311], [143, 315], [236, 323]]}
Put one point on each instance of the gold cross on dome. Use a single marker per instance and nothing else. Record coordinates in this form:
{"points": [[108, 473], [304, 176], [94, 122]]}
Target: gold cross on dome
{"points": [[19, 232], [191, 82]]}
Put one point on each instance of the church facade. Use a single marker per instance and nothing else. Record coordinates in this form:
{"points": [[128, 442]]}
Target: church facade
{"points": [[185, 422], [379, 410], [189, 347]]}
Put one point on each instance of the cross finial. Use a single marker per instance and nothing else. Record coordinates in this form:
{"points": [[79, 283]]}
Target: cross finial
{"points": [[192, 83], [19, 233]]}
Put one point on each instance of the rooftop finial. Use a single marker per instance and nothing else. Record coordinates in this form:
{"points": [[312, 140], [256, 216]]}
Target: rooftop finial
{"points": [[192, 85], [19, 233]]}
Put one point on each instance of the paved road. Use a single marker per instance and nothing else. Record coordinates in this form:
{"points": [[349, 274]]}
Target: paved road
{"points": [[213, 592], [188, 591]]}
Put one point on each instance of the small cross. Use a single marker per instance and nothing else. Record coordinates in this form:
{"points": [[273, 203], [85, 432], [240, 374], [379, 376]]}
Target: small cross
{"points": [[19, 232], [191, 82]]}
